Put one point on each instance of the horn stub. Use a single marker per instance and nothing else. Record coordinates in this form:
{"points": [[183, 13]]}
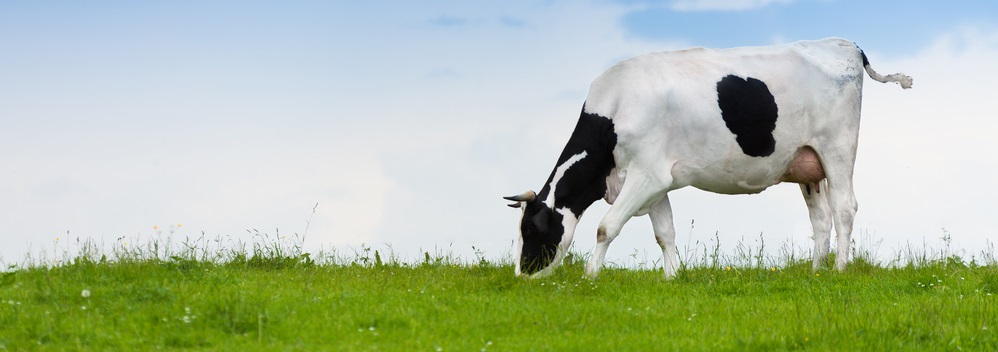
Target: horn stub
{"points": [[527, 196]]}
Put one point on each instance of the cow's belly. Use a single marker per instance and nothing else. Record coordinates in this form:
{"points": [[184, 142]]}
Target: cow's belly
{"points": [[745, 175], [730, 181]]}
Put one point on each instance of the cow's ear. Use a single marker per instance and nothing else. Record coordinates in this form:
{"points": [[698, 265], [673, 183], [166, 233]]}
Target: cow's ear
{"points": [[541, 219]]}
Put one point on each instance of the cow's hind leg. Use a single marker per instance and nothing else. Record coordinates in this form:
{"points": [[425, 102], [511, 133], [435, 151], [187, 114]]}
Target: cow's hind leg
{"points": [[842, 199], [838, 156], [821, 219], [636, 193], [665, 234]]}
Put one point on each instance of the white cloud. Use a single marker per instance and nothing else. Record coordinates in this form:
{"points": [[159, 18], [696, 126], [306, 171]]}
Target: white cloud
{"points": [[724, 5], [927, 155]]}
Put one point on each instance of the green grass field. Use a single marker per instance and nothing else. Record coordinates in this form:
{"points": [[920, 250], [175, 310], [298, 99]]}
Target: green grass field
{"points": [[269, 299]]}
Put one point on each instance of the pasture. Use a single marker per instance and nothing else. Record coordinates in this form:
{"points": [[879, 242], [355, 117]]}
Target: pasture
{"points": [[276, 298]]}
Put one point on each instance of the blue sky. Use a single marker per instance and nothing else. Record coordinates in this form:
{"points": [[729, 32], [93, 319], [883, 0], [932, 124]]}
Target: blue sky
{"points": [[406, 122], [890, 26]]}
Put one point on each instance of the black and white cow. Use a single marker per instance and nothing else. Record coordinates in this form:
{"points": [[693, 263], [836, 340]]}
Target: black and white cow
{"points": [[731, 121]]}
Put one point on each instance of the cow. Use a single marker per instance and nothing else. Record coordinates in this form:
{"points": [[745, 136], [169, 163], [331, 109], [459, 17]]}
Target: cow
{"points": [[728, 121]]}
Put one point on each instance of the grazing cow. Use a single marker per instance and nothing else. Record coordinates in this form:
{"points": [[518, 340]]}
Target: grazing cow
{"points": [[731, 121]]}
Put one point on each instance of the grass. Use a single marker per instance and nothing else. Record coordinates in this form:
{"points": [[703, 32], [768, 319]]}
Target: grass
{"points": [[273, 297]]}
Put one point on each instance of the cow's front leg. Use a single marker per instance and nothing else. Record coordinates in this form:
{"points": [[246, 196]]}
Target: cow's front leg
{"points": [[638, 189], [665, 234]]}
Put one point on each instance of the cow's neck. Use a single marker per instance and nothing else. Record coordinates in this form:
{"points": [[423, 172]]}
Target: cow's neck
{"points": [[579, 177], [565, 189]]}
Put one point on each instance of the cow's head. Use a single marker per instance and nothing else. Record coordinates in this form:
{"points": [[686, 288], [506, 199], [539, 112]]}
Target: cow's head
{"points": [[543, 237]]}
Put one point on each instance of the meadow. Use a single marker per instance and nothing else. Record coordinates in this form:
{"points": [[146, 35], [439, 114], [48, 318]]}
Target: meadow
{"points": [[275, 297]]}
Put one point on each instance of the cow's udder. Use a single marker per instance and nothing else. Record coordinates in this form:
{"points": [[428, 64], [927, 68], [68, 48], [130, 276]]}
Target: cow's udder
{"points": [[805, 168]]}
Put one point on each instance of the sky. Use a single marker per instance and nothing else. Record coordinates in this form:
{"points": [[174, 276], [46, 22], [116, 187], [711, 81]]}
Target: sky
{"points": [[400, 125]]}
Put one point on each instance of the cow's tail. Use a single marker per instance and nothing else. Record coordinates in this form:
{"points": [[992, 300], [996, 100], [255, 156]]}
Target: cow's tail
{"points": [[902, 79]]}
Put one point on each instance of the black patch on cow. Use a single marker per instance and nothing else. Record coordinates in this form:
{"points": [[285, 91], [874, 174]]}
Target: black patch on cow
{"points": [[582, 184], [749, 111]]}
